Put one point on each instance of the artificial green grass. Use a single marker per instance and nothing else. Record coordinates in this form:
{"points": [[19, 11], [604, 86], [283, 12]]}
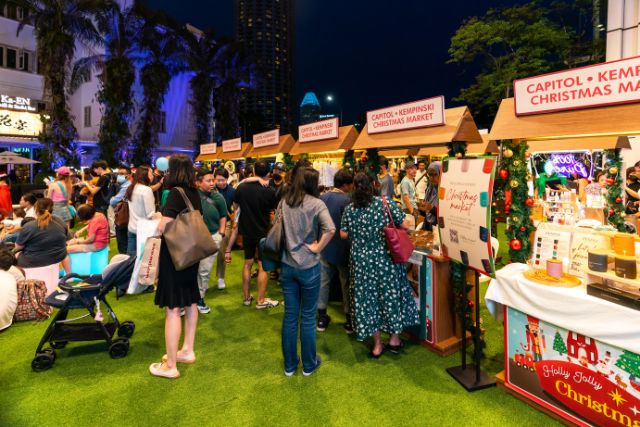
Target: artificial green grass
{"points": [[238, 378]]}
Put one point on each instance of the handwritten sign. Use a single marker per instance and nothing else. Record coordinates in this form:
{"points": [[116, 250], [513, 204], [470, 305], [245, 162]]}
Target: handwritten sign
{"points": [[266, 139], [231, 145], [319, 131], [19, 123], [464, 211], [616, 82], [208, 148], [418, 114], [581, 243]]}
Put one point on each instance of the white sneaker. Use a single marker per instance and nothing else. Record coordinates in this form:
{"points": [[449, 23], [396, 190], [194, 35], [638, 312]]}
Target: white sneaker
{"points": [[221, 284], [267, 303]]}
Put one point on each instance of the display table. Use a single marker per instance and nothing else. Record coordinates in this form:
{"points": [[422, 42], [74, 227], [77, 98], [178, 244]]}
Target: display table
{"points": [[572, 354], [439, 328]]}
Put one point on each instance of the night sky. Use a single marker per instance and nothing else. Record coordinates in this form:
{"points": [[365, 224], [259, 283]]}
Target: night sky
{"points": [[366, 53]]}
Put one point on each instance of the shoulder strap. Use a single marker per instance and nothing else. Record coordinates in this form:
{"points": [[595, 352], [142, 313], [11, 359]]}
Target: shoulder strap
{"points": [[64, 192], [388, 211], [185, 198], [420, 179]]}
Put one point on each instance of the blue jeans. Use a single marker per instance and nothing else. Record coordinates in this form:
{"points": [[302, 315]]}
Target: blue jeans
{"points": [[301, 289], [131, 243]]}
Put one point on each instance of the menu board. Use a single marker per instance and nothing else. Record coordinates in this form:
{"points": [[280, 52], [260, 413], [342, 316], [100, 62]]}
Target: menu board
{"points": [[551, 242], [581, 243], [464, 211]]}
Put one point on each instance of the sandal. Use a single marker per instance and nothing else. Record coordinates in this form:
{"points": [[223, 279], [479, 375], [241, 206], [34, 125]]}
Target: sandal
{"points": [[156, 370], [185, 360], [395, 349], [376, 356]]}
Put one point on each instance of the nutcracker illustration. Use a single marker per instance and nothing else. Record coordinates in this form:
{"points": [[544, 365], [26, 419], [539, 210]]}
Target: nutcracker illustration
{"points": [[535, 339]]}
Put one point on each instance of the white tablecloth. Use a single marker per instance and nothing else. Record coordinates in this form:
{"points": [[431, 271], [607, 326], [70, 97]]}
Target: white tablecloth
{"points": [[569, 308]]}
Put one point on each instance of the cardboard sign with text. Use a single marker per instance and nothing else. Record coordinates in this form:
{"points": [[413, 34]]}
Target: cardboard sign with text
{"points": [[231, 145], [418, 114], [616, 82], [266, 139], [464, 211], [319, 131], [208, 148]]}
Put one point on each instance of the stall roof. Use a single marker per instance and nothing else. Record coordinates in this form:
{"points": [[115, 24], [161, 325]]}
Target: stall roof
{"points": [[577, 124], [346, 138], [235, 155], [208, 157], [286, 142], [459, 127], [399, 153]]}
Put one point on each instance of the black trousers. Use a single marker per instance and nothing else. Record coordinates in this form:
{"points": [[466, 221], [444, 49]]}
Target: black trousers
{"points": [[122, 239]]}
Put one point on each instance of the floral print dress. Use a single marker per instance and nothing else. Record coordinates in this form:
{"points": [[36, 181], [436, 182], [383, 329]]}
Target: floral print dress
{"points": [[381, 296]]}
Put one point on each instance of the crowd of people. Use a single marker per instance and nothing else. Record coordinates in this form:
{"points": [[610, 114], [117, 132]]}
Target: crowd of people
{"points": [[331, 235]]}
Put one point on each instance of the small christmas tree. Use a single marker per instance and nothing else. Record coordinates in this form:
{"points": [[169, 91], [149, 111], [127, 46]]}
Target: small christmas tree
{"points": [[558, 344], [630, 363]]}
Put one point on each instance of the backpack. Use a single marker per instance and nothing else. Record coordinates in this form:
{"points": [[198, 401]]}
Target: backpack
{"points": [[31, 301]]}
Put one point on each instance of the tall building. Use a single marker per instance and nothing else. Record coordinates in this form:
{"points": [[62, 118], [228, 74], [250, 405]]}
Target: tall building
{"points": [[623, 29], [310, 109], [265, 29]]}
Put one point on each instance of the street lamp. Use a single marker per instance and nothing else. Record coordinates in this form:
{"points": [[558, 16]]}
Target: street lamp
{"points": [[330, 99]]}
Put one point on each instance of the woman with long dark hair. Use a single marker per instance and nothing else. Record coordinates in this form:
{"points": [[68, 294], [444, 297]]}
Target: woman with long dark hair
{"points": [[177, 289], [308, 229], [142, 204], [382, 300]]}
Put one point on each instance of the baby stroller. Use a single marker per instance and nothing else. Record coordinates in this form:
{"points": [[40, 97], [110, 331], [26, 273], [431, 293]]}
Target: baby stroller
{"points": [[89, 293]]}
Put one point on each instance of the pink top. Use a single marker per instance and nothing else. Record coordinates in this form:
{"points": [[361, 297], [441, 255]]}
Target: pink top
{"points": [[56, 193], [100, 227]]}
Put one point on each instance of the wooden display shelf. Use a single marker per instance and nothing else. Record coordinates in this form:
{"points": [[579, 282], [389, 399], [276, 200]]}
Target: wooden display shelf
{"points": [[609, 275]]}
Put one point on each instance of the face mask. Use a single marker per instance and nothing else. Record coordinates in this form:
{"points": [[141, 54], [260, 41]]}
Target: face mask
{"points": [[121, 179]]}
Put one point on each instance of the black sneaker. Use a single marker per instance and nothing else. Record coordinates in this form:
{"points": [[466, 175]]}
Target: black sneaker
{"points": [[323, 322]]}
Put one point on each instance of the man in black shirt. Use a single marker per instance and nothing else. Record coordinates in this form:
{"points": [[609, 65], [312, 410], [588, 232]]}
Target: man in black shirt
{"points": [[100, 191], [255, 201]]}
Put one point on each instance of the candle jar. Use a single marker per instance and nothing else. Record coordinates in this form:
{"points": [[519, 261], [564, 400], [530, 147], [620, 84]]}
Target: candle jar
{"points": [[626, 266], [598, 260], [554, 268], [624, 244]]}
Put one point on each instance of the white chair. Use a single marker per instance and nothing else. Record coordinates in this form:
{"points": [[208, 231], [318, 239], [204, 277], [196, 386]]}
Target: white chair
{"points": [[48, 274]]}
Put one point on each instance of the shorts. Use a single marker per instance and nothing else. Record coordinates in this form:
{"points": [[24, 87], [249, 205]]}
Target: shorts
{"points": [[250, 246]]}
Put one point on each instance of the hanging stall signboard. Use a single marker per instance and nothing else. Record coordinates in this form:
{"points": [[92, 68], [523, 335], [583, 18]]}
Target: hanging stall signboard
{"points": [[464, 211], [319, 131], [609, 83], [231, 145], [208, 148], [266, 139], [418, 114]]}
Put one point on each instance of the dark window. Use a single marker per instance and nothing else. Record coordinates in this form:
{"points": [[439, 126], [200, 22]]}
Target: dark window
{"points": [[12, 11], [87, 116], [24, 62], [12, 56], [1, 56]]}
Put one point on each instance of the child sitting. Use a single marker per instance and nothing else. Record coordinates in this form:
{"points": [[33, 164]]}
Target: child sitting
{"points": [[97, 231], [12, 226]]}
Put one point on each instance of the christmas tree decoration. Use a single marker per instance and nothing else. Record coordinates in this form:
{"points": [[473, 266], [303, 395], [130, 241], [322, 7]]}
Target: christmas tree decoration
{"points": [[515, 244], [558, 344], [508, 153], [523, 229], [529, 202], [515, 219], [457, 149], [516, 163], [503, 174], [514, 183], [616, 211], [630, 363], [287, 159]]}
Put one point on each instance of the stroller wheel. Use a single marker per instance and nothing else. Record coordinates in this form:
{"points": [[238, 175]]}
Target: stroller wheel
{"points": [[43, 361], [119, 348], [50, 352], [126, 329], [58, 344]]}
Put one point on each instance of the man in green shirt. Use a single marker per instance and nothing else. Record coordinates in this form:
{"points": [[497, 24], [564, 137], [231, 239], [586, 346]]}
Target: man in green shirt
{"points": [[214, 211]]}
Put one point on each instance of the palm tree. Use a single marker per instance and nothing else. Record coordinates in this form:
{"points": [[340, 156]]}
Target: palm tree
{"points": [[202, 56], [119, 30], [58, 25], [158, 55], [237, 75]]}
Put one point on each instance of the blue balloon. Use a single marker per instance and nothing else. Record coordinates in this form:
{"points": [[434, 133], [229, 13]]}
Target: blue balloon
{"points": [[162, 163]]}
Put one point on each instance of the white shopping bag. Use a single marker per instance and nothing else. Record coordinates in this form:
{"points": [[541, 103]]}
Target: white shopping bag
{"points": [[146, 228]]}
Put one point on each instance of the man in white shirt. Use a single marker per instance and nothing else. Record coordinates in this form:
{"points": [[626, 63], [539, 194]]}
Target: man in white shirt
{"points": [[421, 180]]}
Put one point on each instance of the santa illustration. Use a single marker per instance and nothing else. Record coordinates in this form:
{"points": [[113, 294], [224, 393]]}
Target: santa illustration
{"points": [[535, 339], [604, 365]]}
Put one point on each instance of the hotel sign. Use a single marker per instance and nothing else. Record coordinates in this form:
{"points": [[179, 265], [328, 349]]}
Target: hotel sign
{"points": [[231, 145], [266, 139], [418, 114], [609, 83], [19, 123], [319, 131], [17, 103]]}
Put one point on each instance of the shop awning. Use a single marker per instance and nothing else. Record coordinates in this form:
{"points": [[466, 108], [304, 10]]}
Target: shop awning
{"points": [[207, 157], [346, 138], [578, 125], [234, 155], [459, 126], [398, 153], [285, 145]]}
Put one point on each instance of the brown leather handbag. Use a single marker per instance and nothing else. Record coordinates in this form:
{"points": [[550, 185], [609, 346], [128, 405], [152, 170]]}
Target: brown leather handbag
{"points": [[188, 238]]}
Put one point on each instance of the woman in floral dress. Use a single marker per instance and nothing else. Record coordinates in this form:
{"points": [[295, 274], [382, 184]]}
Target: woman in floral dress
{"points": [[382, 299]]}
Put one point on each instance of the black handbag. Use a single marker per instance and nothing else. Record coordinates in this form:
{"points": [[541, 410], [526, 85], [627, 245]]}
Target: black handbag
{"points": [[275, 240]]}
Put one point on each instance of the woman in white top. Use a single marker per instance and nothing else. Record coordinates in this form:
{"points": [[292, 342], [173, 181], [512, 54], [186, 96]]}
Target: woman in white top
{"points": [[9, 275], [142, 203]]}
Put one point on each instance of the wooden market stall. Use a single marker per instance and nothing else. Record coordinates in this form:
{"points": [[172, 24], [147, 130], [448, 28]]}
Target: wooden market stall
{"points": [[284, 146], [347, 136], [234, 154], [549, 327]]}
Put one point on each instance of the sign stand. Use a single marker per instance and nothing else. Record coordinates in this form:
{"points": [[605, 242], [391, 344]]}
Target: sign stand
{"points": [[470, 376]]}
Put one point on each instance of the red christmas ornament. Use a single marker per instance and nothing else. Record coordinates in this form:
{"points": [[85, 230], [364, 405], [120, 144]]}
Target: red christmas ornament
{"points": [[522, 229], [610, 181], [529, 202], [618, 200], [470, 303], [515, 244], [504, 174], [611, 212], [364, 159]]}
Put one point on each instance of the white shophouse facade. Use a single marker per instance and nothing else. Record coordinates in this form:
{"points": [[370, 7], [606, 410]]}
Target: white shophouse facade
{"points": [[19, 81]]}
